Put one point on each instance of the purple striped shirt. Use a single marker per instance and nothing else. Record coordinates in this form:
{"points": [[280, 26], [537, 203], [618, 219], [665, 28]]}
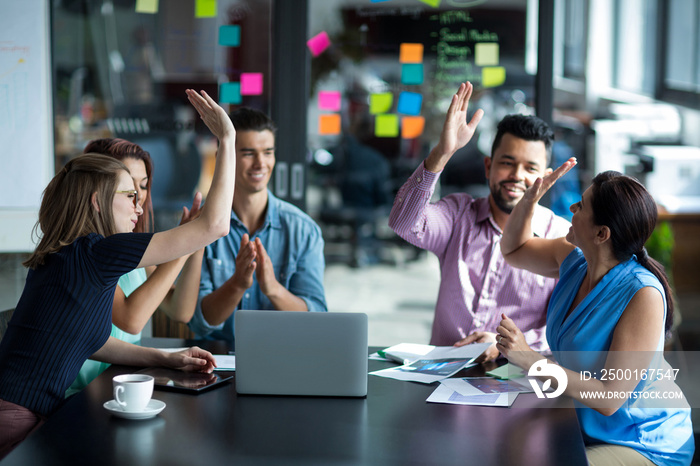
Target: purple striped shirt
{"points": [[477, 285]]}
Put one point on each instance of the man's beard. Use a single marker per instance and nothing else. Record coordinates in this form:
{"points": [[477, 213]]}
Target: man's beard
{"points": [[505, 206]]}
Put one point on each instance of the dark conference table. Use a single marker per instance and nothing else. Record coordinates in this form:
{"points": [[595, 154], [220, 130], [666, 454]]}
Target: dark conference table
{"points": [[392, 426]]}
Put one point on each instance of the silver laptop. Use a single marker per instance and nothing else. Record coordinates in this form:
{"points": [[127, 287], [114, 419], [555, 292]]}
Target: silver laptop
{"points": [[301, 353]]}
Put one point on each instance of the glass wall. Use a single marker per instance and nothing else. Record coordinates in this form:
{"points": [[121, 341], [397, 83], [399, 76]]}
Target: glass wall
{"points": [[121, 72], [379, 93]]}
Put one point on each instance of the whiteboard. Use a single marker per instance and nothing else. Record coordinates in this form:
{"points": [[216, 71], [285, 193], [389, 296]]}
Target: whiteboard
{"points": [[26, 119]]}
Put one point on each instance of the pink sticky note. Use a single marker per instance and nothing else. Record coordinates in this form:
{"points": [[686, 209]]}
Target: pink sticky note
{"points": [[318, 43], [251, 83], [329, 100]]}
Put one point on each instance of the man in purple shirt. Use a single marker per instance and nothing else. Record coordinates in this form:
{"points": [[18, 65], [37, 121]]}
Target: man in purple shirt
{"points": [[477, 285]]}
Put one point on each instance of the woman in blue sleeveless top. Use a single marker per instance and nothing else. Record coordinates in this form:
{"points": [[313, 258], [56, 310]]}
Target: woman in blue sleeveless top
{"points": [[606, 322]]}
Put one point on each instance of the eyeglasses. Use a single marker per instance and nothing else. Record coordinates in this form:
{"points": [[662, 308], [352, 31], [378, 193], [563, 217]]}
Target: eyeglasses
{"points": [[131, 194]]}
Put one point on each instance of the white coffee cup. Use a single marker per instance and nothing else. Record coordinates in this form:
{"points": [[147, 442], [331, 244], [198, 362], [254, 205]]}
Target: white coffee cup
{"points": [[132, 392]]}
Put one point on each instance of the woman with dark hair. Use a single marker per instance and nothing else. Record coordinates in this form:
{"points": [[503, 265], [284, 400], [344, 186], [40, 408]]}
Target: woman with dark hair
{"points": [[142, 291], [87, 216], [606, 321]]}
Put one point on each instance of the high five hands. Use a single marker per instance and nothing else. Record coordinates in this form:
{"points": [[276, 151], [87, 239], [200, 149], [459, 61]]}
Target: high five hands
{"points": [[456, 132], [541, 185], [212, 114]]}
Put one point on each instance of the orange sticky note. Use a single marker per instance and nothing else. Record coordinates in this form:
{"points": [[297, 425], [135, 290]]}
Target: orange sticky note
{"points": [[329, 124], [412, 126], [411, 53]]}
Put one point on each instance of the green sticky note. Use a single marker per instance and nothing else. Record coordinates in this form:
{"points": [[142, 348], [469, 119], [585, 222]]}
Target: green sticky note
{"points": [[412, 73], [386, 126], [492, 76], [506, 372], [486, 54], [433, 3], [205, 8], [147, 6], [230, 93], [380, 103], [230, 36]]}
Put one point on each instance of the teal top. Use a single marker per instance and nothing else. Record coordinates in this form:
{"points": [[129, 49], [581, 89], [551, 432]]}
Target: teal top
{"points": [[661, 430], [91, 369]]}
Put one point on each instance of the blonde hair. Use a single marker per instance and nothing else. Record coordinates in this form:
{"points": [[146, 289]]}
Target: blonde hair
{"points": [[66, 211]]}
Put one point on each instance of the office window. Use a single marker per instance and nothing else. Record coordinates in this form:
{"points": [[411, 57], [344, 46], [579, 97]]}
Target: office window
{"points": [[681, 70], [634, 57], [575, 38]]}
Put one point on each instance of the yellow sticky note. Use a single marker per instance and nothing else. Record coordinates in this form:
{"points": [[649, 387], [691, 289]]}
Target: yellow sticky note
{"points": [[205, 8], [412, 126], [386, 126], [411, 53], [433, 3], [493, 76], [147, 6], [486, 54], [329, 124], [380, 103]]}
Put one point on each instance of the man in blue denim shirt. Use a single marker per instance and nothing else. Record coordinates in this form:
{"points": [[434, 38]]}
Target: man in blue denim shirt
{"points": [[272, 257]]}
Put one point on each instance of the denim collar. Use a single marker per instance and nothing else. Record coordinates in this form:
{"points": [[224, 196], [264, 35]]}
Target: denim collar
{"points": [[272, 216]]}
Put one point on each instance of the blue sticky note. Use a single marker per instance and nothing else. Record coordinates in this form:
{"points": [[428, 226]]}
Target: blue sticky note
{"points": [[230, 93], [412, 73], [230, 35], [410, 103]]}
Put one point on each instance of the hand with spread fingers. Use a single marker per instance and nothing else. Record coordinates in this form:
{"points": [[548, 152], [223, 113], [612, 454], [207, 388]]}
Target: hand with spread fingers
{"points": [[535, 192], [456, 132]]}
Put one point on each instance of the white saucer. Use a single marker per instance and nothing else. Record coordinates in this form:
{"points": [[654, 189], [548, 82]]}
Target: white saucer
{"points": [[152, 409]]}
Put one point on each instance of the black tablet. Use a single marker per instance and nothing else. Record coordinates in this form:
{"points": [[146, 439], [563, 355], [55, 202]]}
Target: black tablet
{"points": [[187, 382]]}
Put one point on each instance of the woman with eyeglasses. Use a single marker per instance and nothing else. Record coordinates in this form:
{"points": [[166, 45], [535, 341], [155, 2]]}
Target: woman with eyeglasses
{"points": [[64, 316], [142, 291]]}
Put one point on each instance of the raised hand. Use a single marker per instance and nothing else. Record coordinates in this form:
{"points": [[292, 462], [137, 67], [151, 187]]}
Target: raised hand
{"points": [[535, 192], [212, 114], [456, 132]]}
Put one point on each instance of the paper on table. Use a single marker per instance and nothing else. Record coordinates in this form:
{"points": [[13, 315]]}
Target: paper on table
{"points": [[405, 353], [444, 394], [438, 364], [476, 386]]}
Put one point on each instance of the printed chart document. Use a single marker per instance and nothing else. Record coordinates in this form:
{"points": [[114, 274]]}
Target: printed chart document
{"points": [[479, 391], [438, 364]]}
